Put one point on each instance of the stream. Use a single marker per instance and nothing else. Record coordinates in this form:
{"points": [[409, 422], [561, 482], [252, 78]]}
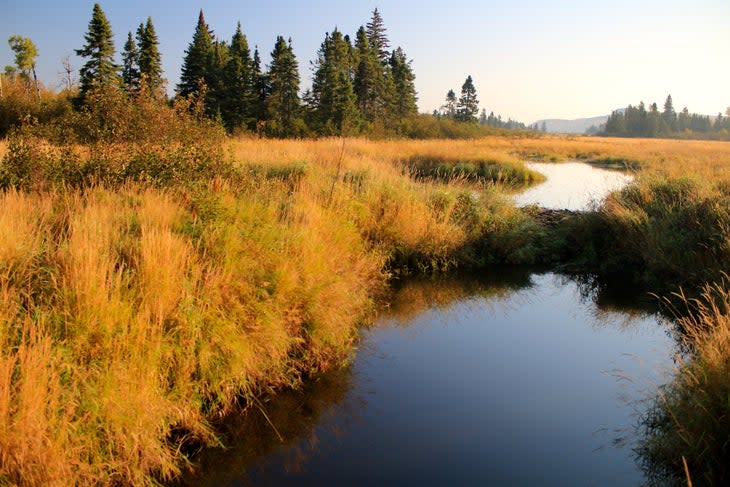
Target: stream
{"points": [[513, 377]]}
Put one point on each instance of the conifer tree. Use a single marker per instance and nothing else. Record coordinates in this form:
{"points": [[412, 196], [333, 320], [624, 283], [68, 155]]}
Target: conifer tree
{"points": [[237, 108], [368, 78], [448, 109], [260, 89], [100, 69], [654, 121], [377, 37], [283, 104], [150, 61], [130, 64], [468, 105], [197, 59], [483, 117], [404, 82], [215, 80], [669, 115], [332, 99]]}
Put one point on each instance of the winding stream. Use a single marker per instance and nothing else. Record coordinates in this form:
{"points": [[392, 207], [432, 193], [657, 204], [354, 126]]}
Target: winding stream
{"points": [[513, 378]]}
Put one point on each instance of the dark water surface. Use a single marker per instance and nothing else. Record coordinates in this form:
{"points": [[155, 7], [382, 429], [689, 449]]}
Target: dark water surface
{"points": [[516, 380]]}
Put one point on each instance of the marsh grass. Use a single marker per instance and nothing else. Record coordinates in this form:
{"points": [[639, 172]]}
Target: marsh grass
{"points": [[686, 431], [665, 232], [148, 288], [504, 172]]}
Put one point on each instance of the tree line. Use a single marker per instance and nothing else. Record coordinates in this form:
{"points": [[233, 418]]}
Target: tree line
{"points": [[637, 121], [355, 85]]}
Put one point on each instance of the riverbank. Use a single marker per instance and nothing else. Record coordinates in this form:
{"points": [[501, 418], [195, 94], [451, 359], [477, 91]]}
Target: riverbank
{"points": [[149, 287]]}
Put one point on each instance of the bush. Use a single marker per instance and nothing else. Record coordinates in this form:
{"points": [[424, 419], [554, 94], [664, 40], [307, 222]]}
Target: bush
{"points": [[114, 140]]}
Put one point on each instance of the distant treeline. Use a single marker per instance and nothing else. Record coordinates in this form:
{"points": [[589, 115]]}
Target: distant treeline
{"points": [[637, 121], [358, 87]]}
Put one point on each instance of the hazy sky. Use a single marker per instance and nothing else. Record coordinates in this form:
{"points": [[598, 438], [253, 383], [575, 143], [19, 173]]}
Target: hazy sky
{"points": [[529, 60]]}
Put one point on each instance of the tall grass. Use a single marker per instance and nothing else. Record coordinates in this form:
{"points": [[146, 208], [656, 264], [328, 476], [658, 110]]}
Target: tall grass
{"points": [[687, 429], [148, 286], [661, 232]]}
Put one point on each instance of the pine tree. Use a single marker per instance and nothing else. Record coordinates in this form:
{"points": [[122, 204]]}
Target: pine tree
{"points": [[150, 61], [368, 77], [483, 117], [654, 121], [260, 89], [215, 80], [669, 116], [197, 59], [100, 70], [468, 105], [237, 108], [332, 99], [377, 37], [448, 109], [404, 81], [719, 122], [683, 120], [130, 64], [283, 105]]}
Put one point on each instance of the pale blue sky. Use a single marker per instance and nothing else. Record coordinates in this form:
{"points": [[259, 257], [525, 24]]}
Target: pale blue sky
{"points": [[529, 60]]}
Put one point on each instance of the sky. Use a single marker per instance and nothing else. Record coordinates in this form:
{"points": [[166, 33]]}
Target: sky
{"points": [[529, 60]]}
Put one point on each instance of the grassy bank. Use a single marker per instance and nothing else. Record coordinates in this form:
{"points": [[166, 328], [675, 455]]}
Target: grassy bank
{"points": [[686, 431], [150, 286]]}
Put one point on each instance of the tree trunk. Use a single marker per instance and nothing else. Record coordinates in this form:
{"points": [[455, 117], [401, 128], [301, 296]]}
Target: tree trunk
{"points": [[35, 81]]}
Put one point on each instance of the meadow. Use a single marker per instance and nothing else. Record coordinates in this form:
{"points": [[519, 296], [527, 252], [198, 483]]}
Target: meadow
{"points": [[150, 287]]}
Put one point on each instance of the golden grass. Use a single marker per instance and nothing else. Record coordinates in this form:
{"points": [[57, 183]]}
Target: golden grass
{"points": [[688, 428], [665, 157], [132, 313]]}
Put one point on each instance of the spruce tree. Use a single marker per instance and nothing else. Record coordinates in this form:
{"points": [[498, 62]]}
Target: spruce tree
{"points": [[332, 99], [215, 80], [448, 109], [100, 69], [368, 77], [237, 108], [197, 59], [653, 121], [150, 61], [377, 37], [405, 88], [483, 117], [130, 64], [283, 104], [468, 105], [260, 89], [669, 115]]}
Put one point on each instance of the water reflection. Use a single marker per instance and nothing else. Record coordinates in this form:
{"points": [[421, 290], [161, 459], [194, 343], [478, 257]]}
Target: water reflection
{"points": [[574, 186], [511, 378]]}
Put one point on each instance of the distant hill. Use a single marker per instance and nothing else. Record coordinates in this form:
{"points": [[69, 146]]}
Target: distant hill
{"points": [[577, 126]]}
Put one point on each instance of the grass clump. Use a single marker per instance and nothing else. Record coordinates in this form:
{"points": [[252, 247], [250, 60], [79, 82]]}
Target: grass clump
{"points": [[690, 418], [504, 172], [666, 232]]}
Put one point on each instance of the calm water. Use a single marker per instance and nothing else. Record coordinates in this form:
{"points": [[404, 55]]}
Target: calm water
{"points": [[518, 380], [571, 185]]}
